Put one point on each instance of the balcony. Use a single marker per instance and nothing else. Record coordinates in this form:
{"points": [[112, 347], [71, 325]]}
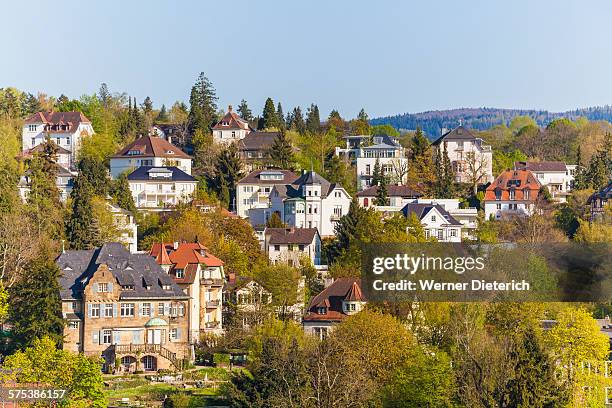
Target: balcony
{"points": [[212, 325], [144, 349], [213, 304], [212, 282], [335, 217]]}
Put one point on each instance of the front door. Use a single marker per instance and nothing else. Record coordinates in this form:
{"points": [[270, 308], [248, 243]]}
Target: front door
{"points": [[154, 336]]}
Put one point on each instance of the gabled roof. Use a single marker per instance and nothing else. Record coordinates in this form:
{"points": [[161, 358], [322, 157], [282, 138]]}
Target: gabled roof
{"points": [[254, 177], [143, 173], [342, 289], [78, 266], [231, 120], [151, 146], [458, 133], [604, 194], [291, 235], [39, 148], [393, 190], [517, 180], [421, 211], [186, 256], [541, 166], [258, 141], [54, 118]]}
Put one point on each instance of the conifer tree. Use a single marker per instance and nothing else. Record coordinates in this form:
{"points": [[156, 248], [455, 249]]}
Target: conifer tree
{"points": [[162, 116], [281, 152], [81, 229], [297, 121], [377, 175], [244, 111], [281, 116], [36, 305], [313, 121], [381, 193], [346, 229], [444, 186], [95, 173], [229, 171], [203, 101], [121, 194], [147, 106], [269, 117]]}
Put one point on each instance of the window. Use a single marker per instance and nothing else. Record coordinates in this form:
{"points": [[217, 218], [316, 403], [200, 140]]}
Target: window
{"points": [[32, 128], [107, 336], [108, 310], [57, 141], [433, 218], [103, 287], [67, 140], [498, 206], [498, 194], [320, 332], [181, 309], [74, 305], [33, 141], [453, 232], [338, 210], [540, 176], [95, 310], [180, 273], [440, 235], [526, 194], [427, 234], [73, 325], [367, 170], [174, 310], [277, 247], [512, 194], [127, 310], [173, 334], [322, 310], [146, 309], [301, 247], [160, 309]]}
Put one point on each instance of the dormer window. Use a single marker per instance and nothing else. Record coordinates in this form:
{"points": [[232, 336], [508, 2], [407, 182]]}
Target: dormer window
{"points": [[32, 128], [133, 152], [127, 287], [498, 194], [180, 273], [322, 310], [512, 194], [526, 194], [166, 287]]}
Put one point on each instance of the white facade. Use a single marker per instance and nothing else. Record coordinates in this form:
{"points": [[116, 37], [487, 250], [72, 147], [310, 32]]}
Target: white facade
{"points": [[558, 177], [231, 128], [64, 183], [119, 165], [159, 190], [253, 191], [292, 253], [436, 226], [496, 209], [468, 217], [124, 221]]}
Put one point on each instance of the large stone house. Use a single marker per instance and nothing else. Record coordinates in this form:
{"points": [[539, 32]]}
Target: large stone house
{"points": [[124, 308], [200, 274], [160, 188], [292, 245], [514, 192], [470, 157], [310, 202], [253, 190], [334, 304], [231, 128], [66, 129], [149, 151]]}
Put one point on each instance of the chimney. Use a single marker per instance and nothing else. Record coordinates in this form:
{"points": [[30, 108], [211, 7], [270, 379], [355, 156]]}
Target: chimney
{"points": [[229, 108], [232, 278], [175, 245]]}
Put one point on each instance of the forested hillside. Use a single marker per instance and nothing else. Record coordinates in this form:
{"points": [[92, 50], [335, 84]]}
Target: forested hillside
{"points": [[432, 122]]}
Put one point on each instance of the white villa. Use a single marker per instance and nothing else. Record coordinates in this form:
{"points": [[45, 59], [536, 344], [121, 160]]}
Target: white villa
{"points": [[557, 176], [160, 188], [514, 192], [149, 151], [436, 221], [310, 202], [125, 223], [253, 191], [291, 245], [66, 129], [231, 128], [469, 156]]}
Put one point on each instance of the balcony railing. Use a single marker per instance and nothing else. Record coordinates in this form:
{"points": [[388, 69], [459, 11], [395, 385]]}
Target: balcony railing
{"points": [[212, 282], [211, 325], [213, 304], [145, 348]]}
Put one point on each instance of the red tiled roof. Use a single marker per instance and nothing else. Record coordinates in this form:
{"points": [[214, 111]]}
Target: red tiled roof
{"points": [[152, 146], [233, 121], [331, 297], [518, 180], [186, 256], [53, 118]]}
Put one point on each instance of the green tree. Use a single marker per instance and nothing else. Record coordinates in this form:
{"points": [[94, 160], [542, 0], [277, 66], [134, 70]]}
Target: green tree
{"points": [[444, 185], [82, 228], [229, 171], [281, 116], [35, 303], [313, 120], [382, 198], [377, 174], [203, 101], [388, 130], [95, 174], [121, 194], [269, 117], [297, 122], [244, 111], [281, 152], [162, 116]]}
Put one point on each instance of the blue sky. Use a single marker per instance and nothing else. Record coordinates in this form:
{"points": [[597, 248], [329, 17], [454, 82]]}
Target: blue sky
{"points": [[386, 56]]}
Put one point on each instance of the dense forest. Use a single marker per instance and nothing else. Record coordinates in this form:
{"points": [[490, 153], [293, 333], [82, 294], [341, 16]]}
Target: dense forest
{"points": [[432, 122]]}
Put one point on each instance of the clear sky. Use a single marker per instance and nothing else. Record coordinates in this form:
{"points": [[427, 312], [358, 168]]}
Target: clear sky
{"points": [[386, 56]]}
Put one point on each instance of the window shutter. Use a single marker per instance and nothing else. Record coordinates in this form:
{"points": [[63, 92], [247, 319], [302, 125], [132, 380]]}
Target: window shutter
{"points": [[95, 337], [117, 337], [178, 333], [114, 310], [95, 287], [89, 307], [110, 287], [100, 336], [141, 308], [166, 309]]}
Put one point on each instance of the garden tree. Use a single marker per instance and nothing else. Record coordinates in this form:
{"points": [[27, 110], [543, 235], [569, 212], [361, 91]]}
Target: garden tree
{"points": [[108, 230], [313, 120], [42, 363], [275, 221], [361, 125], [98, 147], [104, 94], [162, 116], [377, 174], [388, 130], [82, 229], [147, 110], [533, 381], [269, 118], [178, 113], [593, 232], [138, 120], [281, 152], [599, 172], [44, 205], [205, 153], [519, 122], [297, 121], [19, 244], [426, 380], [315, 149], [95, 174], [334, 119], [281, 116], [203, 105], [345, 229], [228, 172], [36, 309], [475, 170], [420, 173], [340, 172], [559, 140], [444, 184], [244, 111], [505, 160], [121, 194], [283, 282], [382, 198], [9, 195]]}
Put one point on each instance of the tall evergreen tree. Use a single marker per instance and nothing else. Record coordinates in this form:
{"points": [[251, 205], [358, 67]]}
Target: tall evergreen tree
{"points": [[281, 152], [377, 174], [244, 111], [269, 117], [381, 194], [147, 106], [229, 171], [419, 145], [36, 309], [121, 194], [94, 171], [82, 231], [313, 120], [203, 101], [281, 116], [104, 95], [162, 116], [444, 184], [297, 121]]}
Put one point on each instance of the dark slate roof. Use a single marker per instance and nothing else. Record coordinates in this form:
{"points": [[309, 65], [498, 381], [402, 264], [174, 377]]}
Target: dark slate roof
{"points": [[142, 173], [129, 269], [603, 194], [541, 166], [422, 209], [291, 235], [254, 177], [393, 190], [294, 190], [258, 141], [383, 142], [458, 133]]}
